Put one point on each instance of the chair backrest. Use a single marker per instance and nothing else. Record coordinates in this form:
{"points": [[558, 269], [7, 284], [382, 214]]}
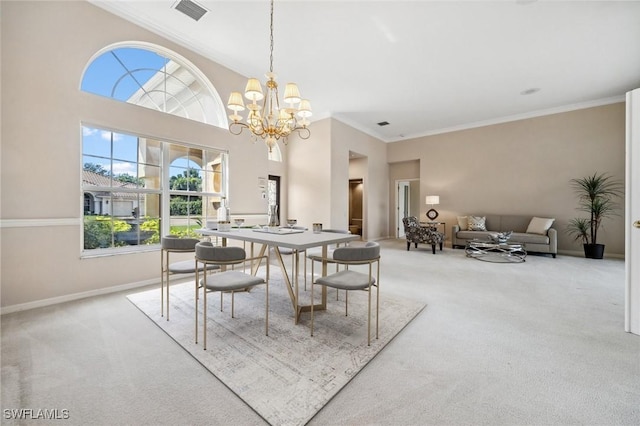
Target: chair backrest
{"points": [[337, 231], [366, 253], [410, 222], [206, 251], [175, 243]]}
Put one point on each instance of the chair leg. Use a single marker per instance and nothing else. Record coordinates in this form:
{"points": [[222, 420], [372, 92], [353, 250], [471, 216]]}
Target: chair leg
{"points": [[440, 245], [346, 303], [311, 298], [204, 314], [195, 300], [408, 245], [433, 248]]}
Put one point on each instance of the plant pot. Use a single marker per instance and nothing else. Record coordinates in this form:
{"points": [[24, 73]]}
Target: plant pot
{"points": [[593, 251]]}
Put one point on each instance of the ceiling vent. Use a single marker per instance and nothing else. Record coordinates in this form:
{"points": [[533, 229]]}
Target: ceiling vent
{"points": [[383, 123], [191, 9]]}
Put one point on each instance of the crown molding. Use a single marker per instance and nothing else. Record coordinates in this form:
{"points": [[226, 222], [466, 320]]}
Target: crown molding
{"points": [[517, 117]]}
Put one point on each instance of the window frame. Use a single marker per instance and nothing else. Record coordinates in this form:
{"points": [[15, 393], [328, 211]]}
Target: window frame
{"points": [[164, 191]]}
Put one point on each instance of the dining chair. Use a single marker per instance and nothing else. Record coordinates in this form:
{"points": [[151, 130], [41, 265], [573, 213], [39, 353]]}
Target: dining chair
{"points": [[350, 280], [175, 244], [229, 280], [315, 255]]}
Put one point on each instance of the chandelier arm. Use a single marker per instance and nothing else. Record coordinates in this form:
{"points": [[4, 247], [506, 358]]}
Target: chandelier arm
{"points": [[237, 124], [303, 132]]}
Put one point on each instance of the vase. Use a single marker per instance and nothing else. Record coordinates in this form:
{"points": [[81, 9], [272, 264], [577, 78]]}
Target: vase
{"points": [[273, 221]]}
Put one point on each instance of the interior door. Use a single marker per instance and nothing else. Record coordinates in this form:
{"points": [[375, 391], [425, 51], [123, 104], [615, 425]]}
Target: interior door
{"points": [[632, 210], [404, 201]]}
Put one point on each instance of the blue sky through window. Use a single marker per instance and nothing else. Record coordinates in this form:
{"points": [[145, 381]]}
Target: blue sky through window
{"points": [[119, 73]]}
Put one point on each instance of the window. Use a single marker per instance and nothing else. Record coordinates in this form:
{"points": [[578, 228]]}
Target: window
{"points": [[127, 178], [155, 78], [136, 188]]}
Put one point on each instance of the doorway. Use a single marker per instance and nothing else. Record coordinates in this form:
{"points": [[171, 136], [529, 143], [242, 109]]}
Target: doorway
{"points": [[356, 190], [407, 202]]}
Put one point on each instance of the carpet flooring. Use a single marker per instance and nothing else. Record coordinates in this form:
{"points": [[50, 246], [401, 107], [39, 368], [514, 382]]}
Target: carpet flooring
{"points": [[288, 376]]}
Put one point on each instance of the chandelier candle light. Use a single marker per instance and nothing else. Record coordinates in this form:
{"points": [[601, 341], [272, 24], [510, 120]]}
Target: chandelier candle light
{"points": [[268, 121]]}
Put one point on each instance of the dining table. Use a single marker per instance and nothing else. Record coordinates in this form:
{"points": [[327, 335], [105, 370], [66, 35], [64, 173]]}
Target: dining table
{"points": [[296, 240]]}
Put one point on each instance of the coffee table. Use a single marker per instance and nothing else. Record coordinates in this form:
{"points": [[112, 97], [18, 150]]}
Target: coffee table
{"points": [[489, 251]]}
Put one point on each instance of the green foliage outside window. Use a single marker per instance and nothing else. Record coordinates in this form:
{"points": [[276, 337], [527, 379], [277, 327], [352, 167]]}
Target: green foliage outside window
{"points": [[98, 231]]}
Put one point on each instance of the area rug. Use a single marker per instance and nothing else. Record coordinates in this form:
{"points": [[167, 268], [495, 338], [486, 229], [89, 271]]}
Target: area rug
{"points": [[288, 376]]}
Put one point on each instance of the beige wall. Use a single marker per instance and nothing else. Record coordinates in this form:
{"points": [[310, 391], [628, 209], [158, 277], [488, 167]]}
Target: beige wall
{"points": [[375, 174], [45, 48], [523, 167], [319, 174]]}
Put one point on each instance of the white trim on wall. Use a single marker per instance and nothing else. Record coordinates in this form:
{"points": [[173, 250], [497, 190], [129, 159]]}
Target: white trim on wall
{"points": [[30, 223]]}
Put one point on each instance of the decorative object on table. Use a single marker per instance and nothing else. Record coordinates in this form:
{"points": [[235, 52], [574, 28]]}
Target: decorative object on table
{"points": [[432, 200], [291, 223], [317, 228], [500, 237], [224, 214], [239, 222], [273, 221], [268, 121], [224, 225], [595, 196]]}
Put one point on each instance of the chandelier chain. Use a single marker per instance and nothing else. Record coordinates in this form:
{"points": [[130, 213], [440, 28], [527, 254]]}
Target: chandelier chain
{"points": [[271, 31]]}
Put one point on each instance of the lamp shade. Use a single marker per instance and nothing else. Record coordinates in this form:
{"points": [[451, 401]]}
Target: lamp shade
{"points": [[235, 102], [253, 91], [305, 108], [291, 93], [432, 199]]}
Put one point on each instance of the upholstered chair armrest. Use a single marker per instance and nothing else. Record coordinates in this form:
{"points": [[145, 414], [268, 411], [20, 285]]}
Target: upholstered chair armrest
{"points": [[552, 233], [454, 235]]}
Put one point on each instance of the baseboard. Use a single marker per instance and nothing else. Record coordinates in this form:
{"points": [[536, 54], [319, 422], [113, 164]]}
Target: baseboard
{"points": [[75, 296], [580, 253]]}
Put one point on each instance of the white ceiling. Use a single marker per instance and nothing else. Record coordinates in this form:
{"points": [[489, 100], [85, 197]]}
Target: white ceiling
{"points": [[424, 66]]}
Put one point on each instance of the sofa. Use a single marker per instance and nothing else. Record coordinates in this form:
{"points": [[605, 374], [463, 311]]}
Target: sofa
{"points": [[536, 233]]}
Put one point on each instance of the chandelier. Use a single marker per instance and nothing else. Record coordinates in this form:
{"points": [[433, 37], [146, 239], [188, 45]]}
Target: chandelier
{"points": [[267, 120]]}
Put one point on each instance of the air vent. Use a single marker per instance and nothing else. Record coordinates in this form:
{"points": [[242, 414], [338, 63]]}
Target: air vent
{"points": [[191, 9], [383, 123]]}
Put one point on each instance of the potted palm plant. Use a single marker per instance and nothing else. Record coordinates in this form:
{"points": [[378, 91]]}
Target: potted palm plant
{"points": [[596, 196]]}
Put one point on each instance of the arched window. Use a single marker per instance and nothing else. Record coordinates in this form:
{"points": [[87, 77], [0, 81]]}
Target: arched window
{"points": [[138, 187], [150, 76]]}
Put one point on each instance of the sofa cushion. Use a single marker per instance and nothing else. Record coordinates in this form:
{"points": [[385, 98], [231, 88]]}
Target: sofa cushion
{"points": [[539, 225], [477, 223], [521, 237], [470, 235], [463, 222], [514, 223]]}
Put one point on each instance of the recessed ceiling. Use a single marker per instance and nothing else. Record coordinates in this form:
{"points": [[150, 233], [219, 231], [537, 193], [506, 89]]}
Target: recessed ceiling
{"points": [[426, 67]]}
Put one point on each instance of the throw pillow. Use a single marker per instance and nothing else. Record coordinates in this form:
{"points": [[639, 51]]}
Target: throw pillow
{"points": [[477, 223], [463, 223], [540, 225]]}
